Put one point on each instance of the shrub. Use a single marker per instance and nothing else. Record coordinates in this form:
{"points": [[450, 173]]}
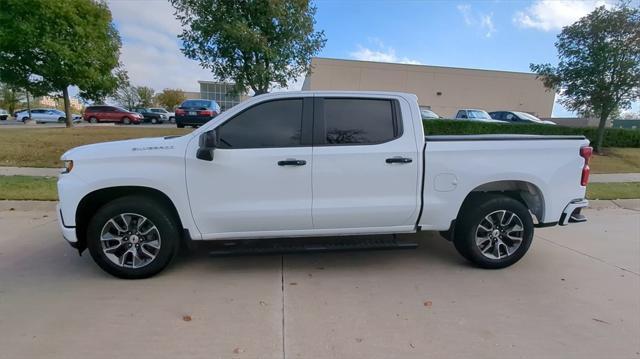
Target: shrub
{"points": [[614, 137]]}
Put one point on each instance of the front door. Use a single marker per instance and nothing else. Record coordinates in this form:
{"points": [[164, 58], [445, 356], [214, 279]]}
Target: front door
{"points": [[259, 181], [365, 166]]}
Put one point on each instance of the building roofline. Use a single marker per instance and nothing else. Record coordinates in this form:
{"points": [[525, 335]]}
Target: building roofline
{"points": [[421, 65]]}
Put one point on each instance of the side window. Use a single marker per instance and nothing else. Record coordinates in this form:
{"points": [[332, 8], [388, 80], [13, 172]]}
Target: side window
{"points": [[269, 124], [510, 117], [350, 121], [461, 114]]}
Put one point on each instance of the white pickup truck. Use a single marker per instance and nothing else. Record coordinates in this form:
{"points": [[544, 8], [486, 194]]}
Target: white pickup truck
{"points": [[311, 164]]}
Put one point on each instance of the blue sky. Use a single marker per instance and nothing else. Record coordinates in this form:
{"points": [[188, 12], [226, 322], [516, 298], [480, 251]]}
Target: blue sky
{"points": [[498, 35]]}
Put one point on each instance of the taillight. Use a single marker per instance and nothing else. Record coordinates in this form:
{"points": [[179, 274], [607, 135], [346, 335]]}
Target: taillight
{"points": [[206, 113], [585, 152], [180, 112]]}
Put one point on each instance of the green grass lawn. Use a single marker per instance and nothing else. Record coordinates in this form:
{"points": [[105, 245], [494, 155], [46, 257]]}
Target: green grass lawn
{"points": [[44, 188], [42, 147], [28, 188], [613, 190], [616, 160]]}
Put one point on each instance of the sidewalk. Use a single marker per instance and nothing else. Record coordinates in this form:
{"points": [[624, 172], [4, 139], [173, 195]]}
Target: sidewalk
{"points": [[53, 172]]}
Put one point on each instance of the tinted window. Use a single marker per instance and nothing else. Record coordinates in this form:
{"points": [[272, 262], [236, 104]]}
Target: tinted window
{"points": [[461, 114], [196, 104], [358, 121], [269, 124]]}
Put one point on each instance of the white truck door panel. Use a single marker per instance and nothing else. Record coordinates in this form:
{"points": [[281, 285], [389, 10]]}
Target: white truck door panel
{"points": [[251, 190], [354, 186]]}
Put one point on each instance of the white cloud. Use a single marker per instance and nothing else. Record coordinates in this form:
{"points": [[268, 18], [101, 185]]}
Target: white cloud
{"points": [[548, 15], [381, 53], [150, 47], [481, 21]]}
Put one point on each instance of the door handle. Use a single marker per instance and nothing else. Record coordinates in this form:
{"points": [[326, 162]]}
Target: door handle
{"points": [[398, 160], [292, 162]]}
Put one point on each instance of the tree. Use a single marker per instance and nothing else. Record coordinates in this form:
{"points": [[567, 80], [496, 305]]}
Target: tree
{"points": [[145, 96], [47, 46], [127, 96], [170, 98], [11, 98], [599, 64], [254, 43]]}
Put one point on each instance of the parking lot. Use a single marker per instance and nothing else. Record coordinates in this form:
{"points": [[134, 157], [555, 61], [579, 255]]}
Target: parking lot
{"points": [[575, 295]]}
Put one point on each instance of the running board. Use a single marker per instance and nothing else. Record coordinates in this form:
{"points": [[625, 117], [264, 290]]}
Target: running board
{"points": [[266, 247]]}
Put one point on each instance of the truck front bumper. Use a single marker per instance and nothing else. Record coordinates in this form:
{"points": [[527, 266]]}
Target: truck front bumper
{"points": [[68, 233], [572, 212]]}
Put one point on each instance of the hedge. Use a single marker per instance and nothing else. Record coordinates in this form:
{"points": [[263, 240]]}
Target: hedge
{"points": [[613, 137]]}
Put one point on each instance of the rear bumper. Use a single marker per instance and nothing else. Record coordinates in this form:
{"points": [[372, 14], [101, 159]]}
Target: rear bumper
{"points": [[68, 233], [572, 212], [192, 120]]}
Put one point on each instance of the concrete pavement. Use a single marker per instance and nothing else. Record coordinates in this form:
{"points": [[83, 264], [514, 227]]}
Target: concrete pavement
{"points": [[575, 295]]}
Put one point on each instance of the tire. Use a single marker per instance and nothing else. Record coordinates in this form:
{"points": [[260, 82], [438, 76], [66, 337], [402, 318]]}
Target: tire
{"points": [[179, 125], [493, 248], [93, 120], [154, 121], [62, 119], [25, 119], [172, 119], [162, 243], [126, 120]]}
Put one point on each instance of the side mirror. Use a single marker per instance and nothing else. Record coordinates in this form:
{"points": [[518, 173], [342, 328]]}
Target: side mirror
{"points": [[207, 143]]}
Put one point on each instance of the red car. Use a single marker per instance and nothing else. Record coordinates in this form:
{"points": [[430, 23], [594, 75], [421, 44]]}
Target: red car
{"points": [[95, 114]]}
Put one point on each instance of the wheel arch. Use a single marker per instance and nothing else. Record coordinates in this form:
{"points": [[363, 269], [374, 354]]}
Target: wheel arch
{"points": [[526, 192], [93, 201]]}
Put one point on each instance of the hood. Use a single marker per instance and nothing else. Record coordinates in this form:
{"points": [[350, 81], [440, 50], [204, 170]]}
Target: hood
{"points": [[126, 148]]}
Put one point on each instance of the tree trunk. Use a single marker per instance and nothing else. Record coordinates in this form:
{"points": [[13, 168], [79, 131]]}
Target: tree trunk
{"points": [[603, 121], [67, 107], [28, 104]]}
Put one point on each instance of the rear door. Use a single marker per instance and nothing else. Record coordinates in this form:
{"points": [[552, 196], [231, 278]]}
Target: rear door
{"points": [[365, 165]]}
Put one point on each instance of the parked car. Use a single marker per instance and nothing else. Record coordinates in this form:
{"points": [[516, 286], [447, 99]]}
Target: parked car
{"points": [[518, 117], [428, 114], [150, 116], [196, 112], [317, 164], [44, 115], [103, 113], [475, 115], [3, 115], [171, 116]]}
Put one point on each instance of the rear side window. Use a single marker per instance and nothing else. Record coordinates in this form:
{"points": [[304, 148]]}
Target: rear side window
{"points": [[268, 124], [350, 121]]}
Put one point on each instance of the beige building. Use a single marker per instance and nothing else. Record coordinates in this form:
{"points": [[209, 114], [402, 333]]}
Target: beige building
{"points": [[441, 89]]}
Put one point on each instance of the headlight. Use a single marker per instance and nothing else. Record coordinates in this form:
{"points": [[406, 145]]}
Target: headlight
{"points": [[68, 166]]}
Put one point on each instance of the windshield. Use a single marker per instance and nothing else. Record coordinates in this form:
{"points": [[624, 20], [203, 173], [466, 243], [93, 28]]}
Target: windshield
{"points": [[158, 110], [528, 116], [428, 114], [196, 104], [478, 114]]}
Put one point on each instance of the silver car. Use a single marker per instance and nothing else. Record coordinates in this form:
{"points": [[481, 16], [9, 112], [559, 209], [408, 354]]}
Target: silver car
{"points": [[45, 115]]}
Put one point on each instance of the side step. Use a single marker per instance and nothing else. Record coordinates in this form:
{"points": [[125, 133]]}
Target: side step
{"points": [[300, 245]]}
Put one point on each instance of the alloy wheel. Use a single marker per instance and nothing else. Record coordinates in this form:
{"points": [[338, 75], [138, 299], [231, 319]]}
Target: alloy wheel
{"points": [[130, 240], [499, 234]]}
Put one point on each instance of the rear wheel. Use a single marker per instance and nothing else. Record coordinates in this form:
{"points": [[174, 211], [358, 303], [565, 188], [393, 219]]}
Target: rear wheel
{"points": [[154, 121], [126, 120], [133, 237], [493, 231], [180, 125]]}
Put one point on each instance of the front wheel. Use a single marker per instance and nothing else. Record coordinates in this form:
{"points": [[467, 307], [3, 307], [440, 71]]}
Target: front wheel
{"points": [[126, 120], [493, 231], [93, 120], [133, 237], [154, 121]]}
